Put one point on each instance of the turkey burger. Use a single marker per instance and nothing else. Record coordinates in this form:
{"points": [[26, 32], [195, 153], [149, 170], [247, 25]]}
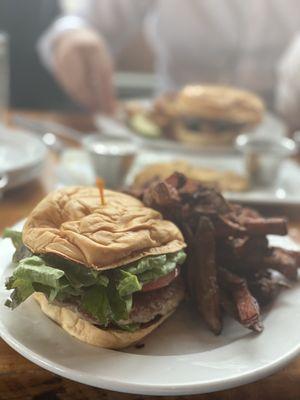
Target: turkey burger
{"points": [[107, 273]]}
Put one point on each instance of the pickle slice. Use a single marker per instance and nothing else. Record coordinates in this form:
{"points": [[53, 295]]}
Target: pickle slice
{"points": [[144, 126]]}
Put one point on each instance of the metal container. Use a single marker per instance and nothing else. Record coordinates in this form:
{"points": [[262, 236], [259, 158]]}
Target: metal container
{"points": [[263, 157], [111, 157]]}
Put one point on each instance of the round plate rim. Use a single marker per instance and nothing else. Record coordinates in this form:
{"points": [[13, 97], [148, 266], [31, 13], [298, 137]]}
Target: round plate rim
{"points": [[39, 156], [148, 389], [209, 385]]}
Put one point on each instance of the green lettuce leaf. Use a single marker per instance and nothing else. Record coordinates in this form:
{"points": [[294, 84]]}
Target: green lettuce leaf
{"points": [[22, 290], [179, 257], [151, 268], [20, 253], [145, 264], [106, 296], [34, 269], [110, 306], [15, 236], [21, 250], [127, 283], [100, 278], [95, 302], [32, 275], [69, 291], [51, 293], [106, 305], [129, 327], [78, 275], [120, 306]]}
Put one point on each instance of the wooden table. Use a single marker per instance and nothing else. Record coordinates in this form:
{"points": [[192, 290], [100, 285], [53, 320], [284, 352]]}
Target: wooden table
{"points": [[20, 379]]}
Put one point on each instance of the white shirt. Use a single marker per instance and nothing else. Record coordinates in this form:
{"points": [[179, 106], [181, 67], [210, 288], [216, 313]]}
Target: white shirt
{"points": [[249, 43]]}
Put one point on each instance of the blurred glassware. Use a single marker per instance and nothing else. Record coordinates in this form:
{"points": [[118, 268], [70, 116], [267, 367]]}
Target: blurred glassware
{"points": [[263, 157], [4, 75], [3, 182], [111, 158], [297, 139], [53, 142]]}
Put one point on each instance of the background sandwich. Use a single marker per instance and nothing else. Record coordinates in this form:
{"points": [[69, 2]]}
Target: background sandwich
{"points": [[207, 114], [108, 274], [197, 115]]}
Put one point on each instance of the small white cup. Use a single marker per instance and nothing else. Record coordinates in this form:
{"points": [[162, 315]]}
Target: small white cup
{"points": [[263, 157], [111, 158]]}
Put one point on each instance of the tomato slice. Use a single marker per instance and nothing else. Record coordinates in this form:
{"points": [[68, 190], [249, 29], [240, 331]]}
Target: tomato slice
{"points": [[162, 281]]}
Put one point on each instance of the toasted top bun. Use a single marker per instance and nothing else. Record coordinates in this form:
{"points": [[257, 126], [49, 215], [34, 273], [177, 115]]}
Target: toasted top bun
{"points": [[215, 103], [72, 223]]}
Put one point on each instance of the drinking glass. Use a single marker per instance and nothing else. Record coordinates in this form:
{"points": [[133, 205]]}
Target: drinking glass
{"points": [[4, 76]]}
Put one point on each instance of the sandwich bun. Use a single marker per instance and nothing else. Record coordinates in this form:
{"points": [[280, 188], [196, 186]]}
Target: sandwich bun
{"points": [[83, 330], [203, 138], [222, 103], [72, 223]]}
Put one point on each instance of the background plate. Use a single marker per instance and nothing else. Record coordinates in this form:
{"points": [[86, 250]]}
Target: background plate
{"points": [[271, 125], [181, 357], [22, 155], [286, 189], [75, 169]]}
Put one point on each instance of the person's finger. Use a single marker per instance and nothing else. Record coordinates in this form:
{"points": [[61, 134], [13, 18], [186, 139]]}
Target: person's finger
{"points": [[108, 90], [71, 71], [100, 79], [93, 77], [84, 68]]}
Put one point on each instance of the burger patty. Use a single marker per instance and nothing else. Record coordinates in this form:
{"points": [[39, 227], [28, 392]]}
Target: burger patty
{"points": [[201, 124], [148, 305]]}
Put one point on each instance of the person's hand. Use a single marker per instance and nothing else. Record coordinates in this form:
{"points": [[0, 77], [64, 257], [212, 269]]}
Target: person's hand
{"points": [[84, 68]]}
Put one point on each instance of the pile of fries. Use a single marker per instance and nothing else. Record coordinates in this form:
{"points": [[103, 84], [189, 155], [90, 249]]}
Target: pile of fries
{"points": [[230, 263]]}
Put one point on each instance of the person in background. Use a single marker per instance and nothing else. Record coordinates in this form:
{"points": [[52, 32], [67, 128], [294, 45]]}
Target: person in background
{"points": [[253, 44], [30, 85]]}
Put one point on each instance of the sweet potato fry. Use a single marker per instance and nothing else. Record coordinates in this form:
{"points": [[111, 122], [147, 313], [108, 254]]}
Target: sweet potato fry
{"points": [[269, 226], [206, 287], [161, 195], [226, 227], [242, 255], [246, 308], [283, 261], [243, 247], [228, 251], [176, 180], [264, 287]]}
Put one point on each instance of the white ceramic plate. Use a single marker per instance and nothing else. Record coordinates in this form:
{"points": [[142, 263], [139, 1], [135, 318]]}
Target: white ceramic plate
{"points": [[285, 191], [181, 357], [271, 125], [75, 169], [21, 156]]}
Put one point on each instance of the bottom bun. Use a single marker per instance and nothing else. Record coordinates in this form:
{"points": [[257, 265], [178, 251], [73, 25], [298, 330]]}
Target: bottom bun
{"points": [[89, 333], [203, 138]]}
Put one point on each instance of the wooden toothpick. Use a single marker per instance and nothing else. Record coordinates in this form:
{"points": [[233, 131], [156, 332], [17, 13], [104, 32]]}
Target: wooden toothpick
{"points": [[100, 185]]}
